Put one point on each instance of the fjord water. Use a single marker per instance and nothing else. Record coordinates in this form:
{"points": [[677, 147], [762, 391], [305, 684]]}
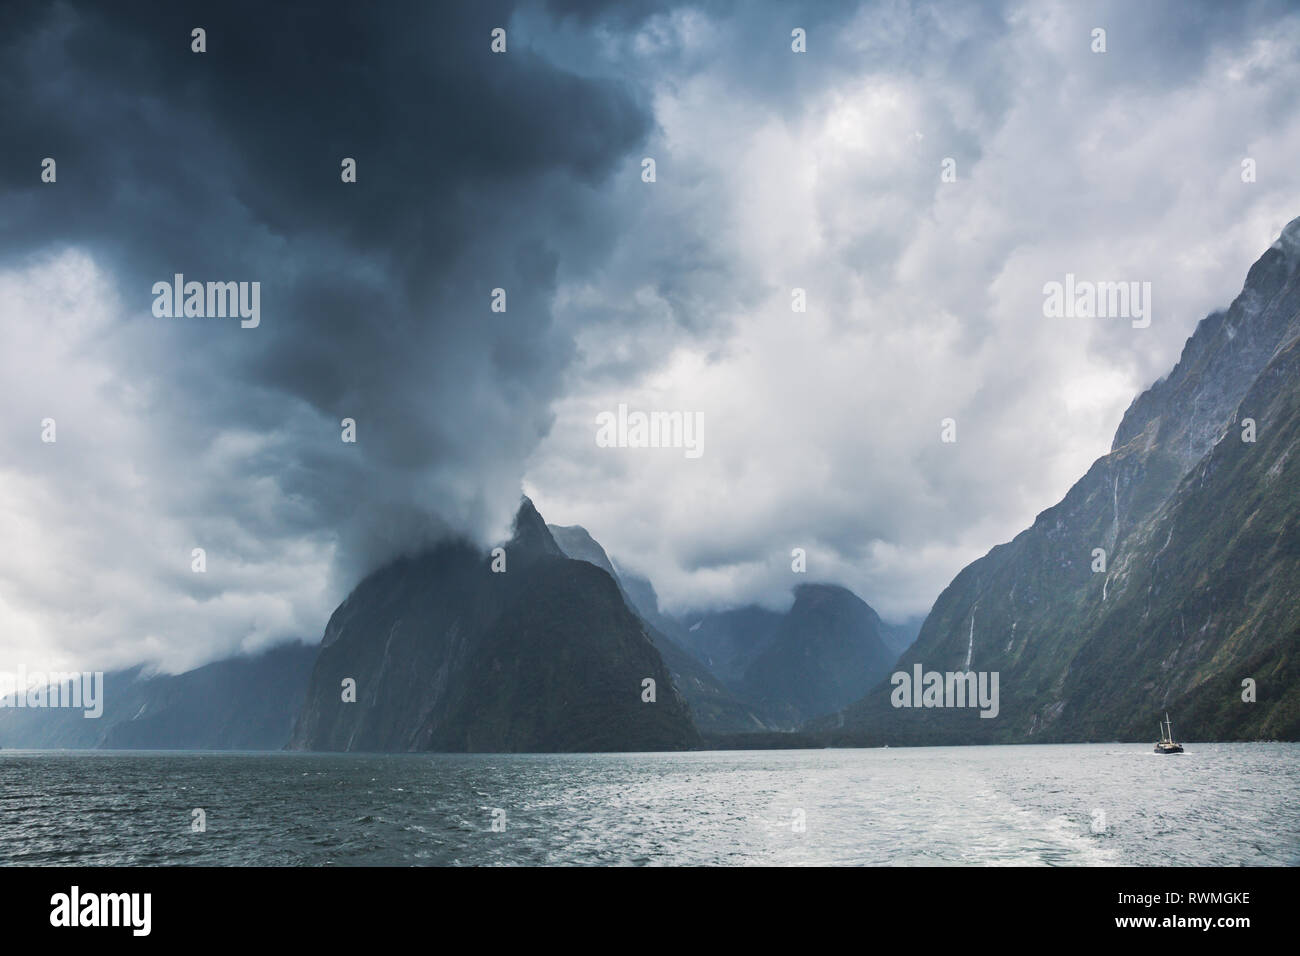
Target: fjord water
{"points": [[1218, 804]]}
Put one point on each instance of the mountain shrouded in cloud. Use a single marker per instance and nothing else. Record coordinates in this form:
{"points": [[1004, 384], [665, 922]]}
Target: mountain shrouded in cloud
{"points": [[448, 651], [521, 171], [241, 703], [476, 171]]}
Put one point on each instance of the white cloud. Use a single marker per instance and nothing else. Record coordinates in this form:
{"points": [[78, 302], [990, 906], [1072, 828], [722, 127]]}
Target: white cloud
{"points": [[925, 298], [99, 525]]}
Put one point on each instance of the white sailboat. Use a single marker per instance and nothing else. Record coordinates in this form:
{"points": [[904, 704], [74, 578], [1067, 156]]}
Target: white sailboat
{"points": [[1166, 744]]}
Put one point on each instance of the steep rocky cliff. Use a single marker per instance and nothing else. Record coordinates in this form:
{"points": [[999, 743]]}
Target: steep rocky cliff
{"points": [[714, 708], [1200, 590], [449, 655]]}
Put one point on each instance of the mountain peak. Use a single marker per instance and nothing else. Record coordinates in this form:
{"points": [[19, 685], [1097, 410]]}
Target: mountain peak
{"points": [[531, 536], [1288, 243], [454, 657], [1186, 410], [827, 651], [820, 593], [821, 589], [576, 542]]}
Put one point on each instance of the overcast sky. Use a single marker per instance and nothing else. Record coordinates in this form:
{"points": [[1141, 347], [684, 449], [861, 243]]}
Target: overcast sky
{"points": [[522, 170]]}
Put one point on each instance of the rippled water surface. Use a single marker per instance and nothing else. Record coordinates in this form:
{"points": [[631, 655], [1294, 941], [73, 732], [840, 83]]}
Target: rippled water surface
{"points": [[1222, 804]]}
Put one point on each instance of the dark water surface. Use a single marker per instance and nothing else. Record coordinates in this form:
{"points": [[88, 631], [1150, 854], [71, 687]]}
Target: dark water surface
{"points": [[1093, 804]]}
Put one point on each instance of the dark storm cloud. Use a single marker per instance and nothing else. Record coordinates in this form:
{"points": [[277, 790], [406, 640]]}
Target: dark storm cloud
{"points": [[476, 171]]}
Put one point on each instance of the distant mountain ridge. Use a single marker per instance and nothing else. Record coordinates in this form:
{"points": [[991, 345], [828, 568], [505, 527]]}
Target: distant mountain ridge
{"points": [[241, 703], [752, 670], [825, 653], [447, 655], [729, 641]]}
